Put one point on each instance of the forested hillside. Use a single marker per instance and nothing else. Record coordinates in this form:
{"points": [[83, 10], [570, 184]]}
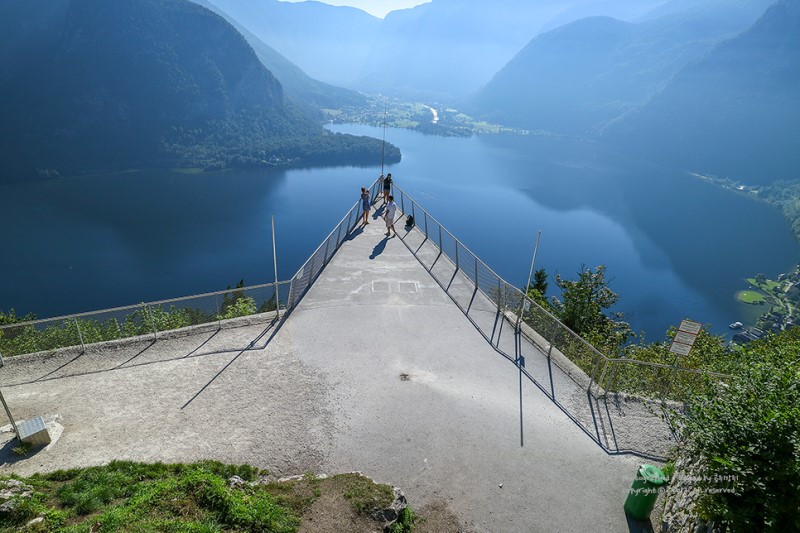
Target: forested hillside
{"points": [[734, 112], [90, 85], [579, 78]]}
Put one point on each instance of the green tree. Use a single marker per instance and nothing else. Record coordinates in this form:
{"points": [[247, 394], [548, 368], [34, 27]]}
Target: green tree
{"points": [[540, 281], [536, 290], [583, 304], [746, 436], [12, 318], [760, 279]]}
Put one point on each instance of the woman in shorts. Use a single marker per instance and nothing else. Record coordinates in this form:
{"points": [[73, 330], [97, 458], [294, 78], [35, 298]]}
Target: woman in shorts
{"points": [[387, 187], [365, 204]]}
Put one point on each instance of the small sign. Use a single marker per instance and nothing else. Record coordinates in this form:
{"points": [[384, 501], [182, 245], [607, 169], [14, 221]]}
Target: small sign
{"points": [[680, 349], [526, 306], [688, 326], [685, 338]]}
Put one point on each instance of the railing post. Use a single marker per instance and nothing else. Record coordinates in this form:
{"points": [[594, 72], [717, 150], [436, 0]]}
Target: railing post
{"points": [[219, 312], [426, 224], [311, 271], [402, 203], [146, 311], [552, 339], [275, 264], [338, 236], [594, 374], [498, 294], [457, 255], [80, 336], [412, 212], [440, 239], [290, 298], [327, 244], [476, 273]]}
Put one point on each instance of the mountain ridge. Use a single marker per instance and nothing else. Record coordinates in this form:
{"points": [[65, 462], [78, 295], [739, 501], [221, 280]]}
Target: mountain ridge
{"points": [[152, 82]]}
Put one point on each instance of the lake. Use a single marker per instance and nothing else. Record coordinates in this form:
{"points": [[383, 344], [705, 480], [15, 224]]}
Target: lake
{"points": [[675, 247]]}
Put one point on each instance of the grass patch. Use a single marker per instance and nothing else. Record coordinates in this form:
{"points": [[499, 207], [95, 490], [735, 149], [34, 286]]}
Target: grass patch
{"points": [[132, 497], [751, 297], [768, 285]]}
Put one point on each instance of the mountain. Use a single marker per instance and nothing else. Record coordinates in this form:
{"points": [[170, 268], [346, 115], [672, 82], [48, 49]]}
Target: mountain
{"points": [[449, 48], [297, 85], [329, 43], [578, 78], [141, 82], [735, 111]]}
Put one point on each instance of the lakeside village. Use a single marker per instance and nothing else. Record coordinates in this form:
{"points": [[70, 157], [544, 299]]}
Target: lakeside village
{"points": [[781, 302]]}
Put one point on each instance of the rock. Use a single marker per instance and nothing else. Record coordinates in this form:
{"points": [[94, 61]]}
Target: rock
{"points": [[9, 506], [236, 482], [35, 521], [392, 513]]}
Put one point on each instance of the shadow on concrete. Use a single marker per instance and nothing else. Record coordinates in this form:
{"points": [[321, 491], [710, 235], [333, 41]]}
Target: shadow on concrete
{"points": [[634, 526], [379, 248], [9, 457], [275, 326], [353, 234], [379, 212], [590, 413], [203, 344], [44, 377], [152, 342], [190, 355]]}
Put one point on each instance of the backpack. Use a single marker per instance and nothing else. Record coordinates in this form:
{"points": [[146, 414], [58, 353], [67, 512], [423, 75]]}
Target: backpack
{"points": [[410, 221]]}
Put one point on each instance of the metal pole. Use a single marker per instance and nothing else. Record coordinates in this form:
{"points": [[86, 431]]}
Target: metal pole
{"points": [[426, 224], [552, 339], [80, 336], [499, 289], [8, 412], [275, 264], [456, 255], [476, 273], [535, 249], [440, 238], [383, 144]]}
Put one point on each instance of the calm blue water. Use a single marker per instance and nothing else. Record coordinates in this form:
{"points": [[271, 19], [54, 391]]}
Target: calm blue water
{"points": [[675, 247]]}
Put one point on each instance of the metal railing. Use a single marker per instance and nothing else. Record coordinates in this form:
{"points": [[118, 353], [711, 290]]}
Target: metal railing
{"points": [[493, 304], [307, 273], [145, 319], [152, 318]]}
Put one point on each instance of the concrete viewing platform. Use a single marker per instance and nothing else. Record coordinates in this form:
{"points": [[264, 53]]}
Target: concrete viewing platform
{"points": [[375, 370]]}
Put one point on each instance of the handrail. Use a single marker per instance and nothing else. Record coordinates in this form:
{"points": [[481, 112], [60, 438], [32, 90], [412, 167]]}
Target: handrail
{"points": [[138, 306], [547, 313], [602, 359], [335, 228], [299, 285]]}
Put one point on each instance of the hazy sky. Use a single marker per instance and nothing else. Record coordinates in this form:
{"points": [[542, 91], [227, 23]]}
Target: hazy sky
{"points": [[379, 8]]}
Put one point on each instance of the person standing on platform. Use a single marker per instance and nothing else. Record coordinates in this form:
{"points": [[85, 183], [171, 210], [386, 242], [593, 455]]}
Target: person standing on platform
{"points": [[365, 204], [387, 187], [391, 212]]}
